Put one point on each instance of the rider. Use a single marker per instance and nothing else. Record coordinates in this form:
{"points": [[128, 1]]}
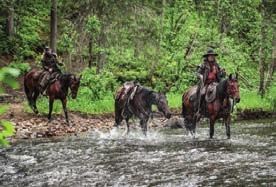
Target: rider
{"points": [[208, 72], [50, 68]]}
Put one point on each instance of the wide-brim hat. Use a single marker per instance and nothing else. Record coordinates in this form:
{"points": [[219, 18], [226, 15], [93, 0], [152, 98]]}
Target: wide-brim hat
{"points": [[210, 52]]}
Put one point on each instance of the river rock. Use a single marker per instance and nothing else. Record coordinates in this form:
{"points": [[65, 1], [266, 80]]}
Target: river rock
{"points": [[175, 122]]}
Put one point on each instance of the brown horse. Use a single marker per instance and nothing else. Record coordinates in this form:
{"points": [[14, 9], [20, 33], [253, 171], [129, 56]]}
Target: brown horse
{"points": [[220, 107], [58, 89], [140, 106]]}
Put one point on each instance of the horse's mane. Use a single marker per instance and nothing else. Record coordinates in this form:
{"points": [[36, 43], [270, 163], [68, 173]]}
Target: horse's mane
{"points": [[147, 93], [221, 88], [145, 90], [65, 81]]}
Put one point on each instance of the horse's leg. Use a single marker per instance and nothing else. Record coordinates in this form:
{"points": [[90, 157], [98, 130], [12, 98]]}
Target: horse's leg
{"points": [[64, 101], [127, 126], [212, 124], [143, 124], [51, 102], [36, 94], [118, 114], [193, 128], [29, 94], [227, 126]]}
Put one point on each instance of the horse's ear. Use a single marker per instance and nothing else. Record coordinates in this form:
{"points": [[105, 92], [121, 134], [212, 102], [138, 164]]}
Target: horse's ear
{"points": [[237, 75], [80, 76], [231, 76]]}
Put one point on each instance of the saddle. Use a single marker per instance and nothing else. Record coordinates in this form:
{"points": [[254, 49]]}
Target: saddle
{"points": [[127, 91], [211, 92]]}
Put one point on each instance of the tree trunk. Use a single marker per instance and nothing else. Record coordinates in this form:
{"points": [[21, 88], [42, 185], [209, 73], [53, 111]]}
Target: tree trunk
{"points": [[261, 55], [101, 56], [10, 21], [90, 51], [272, 64], [53, 35], [261, 71]]}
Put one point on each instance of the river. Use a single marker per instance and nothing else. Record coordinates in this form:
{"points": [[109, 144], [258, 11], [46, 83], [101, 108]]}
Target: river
{"points": [[166, 157]]}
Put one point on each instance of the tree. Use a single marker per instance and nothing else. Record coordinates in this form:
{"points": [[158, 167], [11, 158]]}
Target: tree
{"points": [[92, 28], [10, 19], [53, 26]]}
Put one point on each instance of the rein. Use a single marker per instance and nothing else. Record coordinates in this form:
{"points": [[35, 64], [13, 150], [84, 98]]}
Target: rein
{"points": [[226, 92]]}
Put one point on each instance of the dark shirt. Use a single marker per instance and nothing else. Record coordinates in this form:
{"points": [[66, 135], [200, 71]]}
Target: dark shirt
{"points": [[211, 72]]}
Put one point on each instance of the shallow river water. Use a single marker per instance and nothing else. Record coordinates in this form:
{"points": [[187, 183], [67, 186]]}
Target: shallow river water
{"points": [[165, 157]]}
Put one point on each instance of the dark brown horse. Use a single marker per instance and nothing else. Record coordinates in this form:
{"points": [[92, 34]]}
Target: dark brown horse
{"points": [[139, 106], [220, 107], [58, 89]]}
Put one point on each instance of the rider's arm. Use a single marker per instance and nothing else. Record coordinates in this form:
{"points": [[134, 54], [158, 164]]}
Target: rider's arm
{"points": [[44, 66], [222, 72], [200, 70]]}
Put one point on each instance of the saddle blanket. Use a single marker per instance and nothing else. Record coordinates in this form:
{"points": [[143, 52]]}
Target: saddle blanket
{"points": [[211, 92]]}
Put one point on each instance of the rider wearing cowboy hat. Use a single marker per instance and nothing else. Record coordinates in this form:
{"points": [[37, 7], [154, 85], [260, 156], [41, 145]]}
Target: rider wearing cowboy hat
{"points": [[50, 67], [208, 72]]}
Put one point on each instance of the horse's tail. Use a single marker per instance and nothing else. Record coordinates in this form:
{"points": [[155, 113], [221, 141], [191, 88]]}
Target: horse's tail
{"points": [[184, 109], [27, 91]]}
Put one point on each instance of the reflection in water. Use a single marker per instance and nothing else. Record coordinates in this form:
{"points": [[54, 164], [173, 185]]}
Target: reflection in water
{"points": [[164, 158]]}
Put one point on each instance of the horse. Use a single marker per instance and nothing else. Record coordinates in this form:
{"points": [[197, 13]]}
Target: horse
{"points": [[139, 106], [58, 89], [220, 107]]}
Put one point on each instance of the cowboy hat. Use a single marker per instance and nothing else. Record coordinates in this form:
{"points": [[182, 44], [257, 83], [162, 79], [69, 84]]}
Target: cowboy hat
{"points": [[210, 52]]}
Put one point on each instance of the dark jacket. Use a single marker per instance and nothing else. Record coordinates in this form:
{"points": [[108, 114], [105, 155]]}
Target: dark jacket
{"points": [[204, 70], [50, 62]]}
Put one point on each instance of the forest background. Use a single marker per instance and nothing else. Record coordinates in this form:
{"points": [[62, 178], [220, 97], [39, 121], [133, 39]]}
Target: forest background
{"points": [[159, 43]]}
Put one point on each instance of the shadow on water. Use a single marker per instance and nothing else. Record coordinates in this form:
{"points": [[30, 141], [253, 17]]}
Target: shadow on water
{"points": [[165, 157]]}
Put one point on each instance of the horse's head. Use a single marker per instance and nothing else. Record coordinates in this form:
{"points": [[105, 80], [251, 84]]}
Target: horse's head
{"points": [[162, 104], [233, 87], [74, 85]]}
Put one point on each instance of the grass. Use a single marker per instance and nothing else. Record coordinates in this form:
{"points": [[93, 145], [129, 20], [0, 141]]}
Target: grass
{"points": [[250, 100], [81, 104]]}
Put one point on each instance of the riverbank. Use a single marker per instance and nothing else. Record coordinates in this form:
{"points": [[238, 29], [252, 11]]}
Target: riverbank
{"points": [[85, 116], [29, 125]]}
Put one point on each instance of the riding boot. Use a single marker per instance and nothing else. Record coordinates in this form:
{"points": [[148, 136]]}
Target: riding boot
{"points": [[198, 103], [43, 90]]}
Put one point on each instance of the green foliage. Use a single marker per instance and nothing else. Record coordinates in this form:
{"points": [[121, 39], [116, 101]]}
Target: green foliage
{"points": [[7, 131], [93, 25], [158, 44], [95, 86], [7, 76], [22, 67]]}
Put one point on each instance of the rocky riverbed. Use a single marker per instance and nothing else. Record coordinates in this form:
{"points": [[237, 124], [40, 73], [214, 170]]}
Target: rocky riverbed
{"points": [[28, 125]]}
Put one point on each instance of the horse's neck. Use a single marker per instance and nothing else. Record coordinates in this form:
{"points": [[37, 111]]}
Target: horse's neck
{"points": [[152, 99], [222, 90], [147, 97], [65, 83]]}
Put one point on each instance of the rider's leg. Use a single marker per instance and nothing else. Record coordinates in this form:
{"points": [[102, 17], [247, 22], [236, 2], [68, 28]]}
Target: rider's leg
{"points": [[198, 97], [45, 82]]}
